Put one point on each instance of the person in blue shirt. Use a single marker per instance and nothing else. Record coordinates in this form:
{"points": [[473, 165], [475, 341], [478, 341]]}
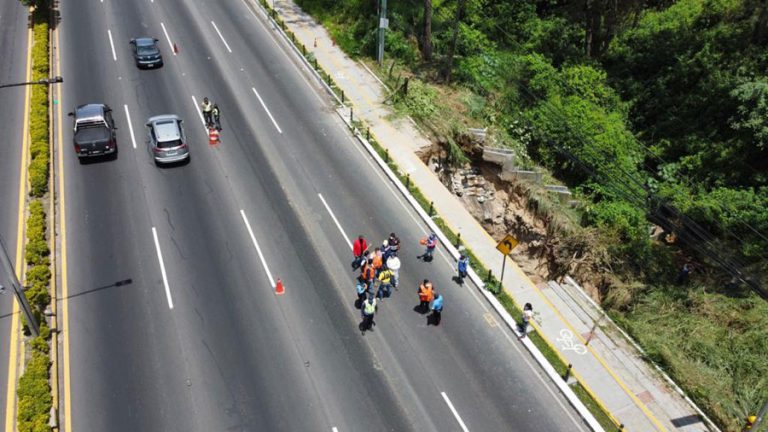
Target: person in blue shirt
{"points": [[437, 309], [463, 265]]}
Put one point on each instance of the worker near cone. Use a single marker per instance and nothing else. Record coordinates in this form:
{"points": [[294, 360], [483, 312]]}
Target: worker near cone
{"points": [[207, 110], [426, 295], [216, 117]]}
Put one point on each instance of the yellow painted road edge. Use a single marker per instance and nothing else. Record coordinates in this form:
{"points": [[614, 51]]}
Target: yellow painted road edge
{"points": [[64, 330], [53, 55], [10, 396]]}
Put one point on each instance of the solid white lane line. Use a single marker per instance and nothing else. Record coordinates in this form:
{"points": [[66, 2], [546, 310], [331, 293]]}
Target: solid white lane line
{"points": [[199, 112], [130, 125], [455, 413], [162, 268], [170, 44], [266, 109], [258, 249], [112, 44], [333, 216], [221, 36]]}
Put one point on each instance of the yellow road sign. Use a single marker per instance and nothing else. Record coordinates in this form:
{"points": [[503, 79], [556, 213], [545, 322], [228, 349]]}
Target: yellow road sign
{"points": [[506, 244]]}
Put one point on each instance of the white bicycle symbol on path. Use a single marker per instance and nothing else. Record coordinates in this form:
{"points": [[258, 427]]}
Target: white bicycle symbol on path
{"points": [[567, 343]]}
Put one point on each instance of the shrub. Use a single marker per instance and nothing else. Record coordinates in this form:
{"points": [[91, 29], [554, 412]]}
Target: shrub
{"points": [[36, 250], [39, 273], [34, 395], [38, 176], [38, 295]]}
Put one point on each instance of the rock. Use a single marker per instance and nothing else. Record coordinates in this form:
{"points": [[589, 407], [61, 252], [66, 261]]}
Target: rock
{"points": [[487, 215]]}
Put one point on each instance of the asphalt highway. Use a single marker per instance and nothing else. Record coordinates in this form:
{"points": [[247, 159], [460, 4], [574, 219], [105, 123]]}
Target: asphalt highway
{"points": [[13, 68], [173, 324]]}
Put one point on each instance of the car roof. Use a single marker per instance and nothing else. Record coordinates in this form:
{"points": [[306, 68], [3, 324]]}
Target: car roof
{"points": [[144, 41], [166, 127], [90, 112]]}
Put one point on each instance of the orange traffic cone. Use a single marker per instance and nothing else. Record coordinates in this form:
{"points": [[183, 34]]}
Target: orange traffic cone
{"points": [[279, 288], [213, 136]]}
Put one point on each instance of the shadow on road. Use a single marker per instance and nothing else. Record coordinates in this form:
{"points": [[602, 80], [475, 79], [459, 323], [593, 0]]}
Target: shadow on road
{"points": [[90, 291]]}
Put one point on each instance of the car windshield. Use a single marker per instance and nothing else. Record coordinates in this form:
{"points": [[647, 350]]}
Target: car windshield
{"points": [[169, 144], [146, 49]]}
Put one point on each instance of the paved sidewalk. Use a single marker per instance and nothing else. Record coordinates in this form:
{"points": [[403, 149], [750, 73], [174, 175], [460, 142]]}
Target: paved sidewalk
{"points": [[610, 366]]}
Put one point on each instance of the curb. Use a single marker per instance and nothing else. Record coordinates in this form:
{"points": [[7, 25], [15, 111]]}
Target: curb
{"points": [[587, 416]]}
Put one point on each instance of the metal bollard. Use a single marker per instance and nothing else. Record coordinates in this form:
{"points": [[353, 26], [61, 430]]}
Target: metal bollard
{"points": [[567, 373], [591, 333]]}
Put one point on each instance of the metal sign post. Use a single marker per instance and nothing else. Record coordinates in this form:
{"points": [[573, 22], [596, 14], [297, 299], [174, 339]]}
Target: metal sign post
{"points": [[505, 246]]}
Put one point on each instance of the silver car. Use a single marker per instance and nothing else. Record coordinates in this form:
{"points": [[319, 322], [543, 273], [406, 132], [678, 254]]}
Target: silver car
{"points": [[166, 139]]}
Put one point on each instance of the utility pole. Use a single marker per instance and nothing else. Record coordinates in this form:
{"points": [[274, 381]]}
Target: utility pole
{"points": [[7, 267], [383, 24], [760, 416], [44, 81]]}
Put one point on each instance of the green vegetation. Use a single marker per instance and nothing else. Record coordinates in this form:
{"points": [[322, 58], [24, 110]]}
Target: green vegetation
{"points": [[34, 391], [654, 112], [38, 124]]}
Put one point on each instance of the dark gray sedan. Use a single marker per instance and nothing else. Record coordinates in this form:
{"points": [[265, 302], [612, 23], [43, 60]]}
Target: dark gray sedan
{"points": [[146, 53]]}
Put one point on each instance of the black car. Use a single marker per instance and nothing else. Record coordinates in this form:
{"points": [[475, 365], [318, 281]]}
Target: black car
{"points": [[146, 53], [94, 132]]}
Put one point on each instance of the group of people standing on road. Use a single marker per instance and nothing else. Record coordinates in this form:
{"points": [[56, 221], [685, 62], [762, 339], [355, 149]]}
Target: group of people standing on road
{"points": [[211, 114], [380, 273]]}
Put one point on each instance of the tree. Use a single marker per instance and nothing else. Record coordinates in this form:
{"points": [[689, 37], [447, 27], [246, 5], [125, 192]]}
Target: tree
{"points": [[448, 71], [426, 51]]}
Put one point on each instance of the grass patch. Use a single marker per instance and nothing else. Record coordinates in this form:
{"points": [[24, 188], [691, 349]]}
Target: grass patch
{"points": [[714, 343]]}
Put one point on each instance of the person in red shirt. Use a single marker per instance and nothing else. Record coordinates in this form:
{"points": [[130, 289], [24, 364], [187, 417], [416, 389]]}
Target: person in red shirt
{"points": [[359, 249]]}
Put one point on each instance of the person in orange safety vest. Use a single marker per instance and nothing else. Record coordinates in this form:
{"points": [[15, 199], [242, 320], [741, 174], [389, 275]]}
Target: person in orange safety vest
{"points": [[426, 295]]}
